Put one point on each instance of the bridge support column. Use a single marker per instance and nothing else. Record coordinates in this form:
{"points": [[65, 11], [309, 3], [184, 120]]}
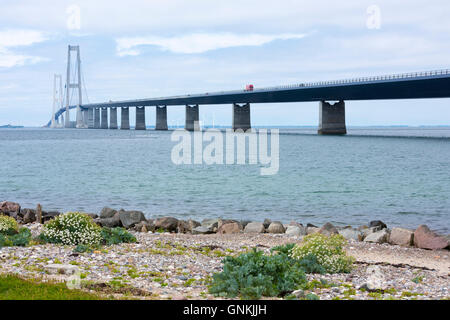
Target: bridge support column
{"points": [[79, 118], [332, 118], [113, 118], [90, 121], [161, 118], [241, 117], [125, 119], [140, 118], [192, 118], [104, 119], [96, 118], [85, 118]]}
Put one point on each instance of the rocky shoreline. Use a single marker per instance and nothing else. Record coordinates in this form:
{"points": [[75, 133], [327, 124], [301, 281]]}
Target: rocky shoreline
{"points": [[175, 259]]}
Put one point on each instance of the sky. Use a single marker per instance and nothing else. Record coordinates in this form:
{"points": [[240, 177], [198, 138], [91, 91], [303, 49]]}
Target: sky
{"points": [[141, 49]]}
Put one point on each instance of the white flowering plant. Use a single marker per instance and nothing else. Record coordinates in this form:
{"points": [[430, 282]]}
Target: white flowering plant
{"points": [[72, 228], [8, 225], [327, 251]]}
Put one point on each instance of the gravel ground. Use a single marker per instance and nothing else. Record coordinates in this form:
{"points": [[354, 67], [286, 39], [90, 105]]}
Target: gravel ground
{"points": [[180, 266]]}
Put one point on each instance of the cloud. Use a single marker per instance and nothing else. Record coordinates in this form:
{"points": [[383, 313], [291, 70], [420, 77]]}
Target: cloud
{"points": [[18, 38], [198, 42]]}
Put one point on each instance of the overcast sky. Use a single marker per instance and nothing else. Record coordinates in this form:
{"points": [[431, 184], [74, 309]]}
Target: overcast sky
{"points": [[140, 49]]}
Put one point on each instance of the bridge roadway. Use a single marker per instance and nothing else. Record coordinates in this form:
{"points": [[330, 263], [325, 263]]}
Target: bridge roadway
{"points": [[431, 84]]}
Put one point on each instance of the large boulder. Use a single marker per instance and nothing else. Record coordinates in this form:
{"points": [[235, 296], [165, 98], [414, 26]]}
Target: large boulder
{"points": [[167, 223], [254, 227], [60, 269], [29, 215], [295, 231], [107, 213], [378, 224], [229, 228], [221, 222], [112, 222], [202, 230], [351, 234], [426, 239], [381, 236], [328, 229], [145, 226], [276, 227], [130, 218], [401, 237], [9, 208], [211, 224]]}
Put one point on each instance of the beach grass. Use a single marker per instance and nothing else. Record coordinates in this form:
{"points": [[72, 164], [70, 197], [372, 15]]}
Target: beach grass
{"points": [[14, 288]]}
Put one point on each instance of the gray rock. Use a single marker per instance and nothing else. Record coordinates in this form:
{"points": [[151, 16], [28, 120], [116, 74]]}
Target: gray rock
{"points": [[107, 213], [29, 215], [167, 223], [211, 224], [276, 227], [8, 208], [366, 231], [112, 222], [401, 237], [381, 236], [202, 230], [299, 294], [145, 226], [254, 227], [351, 234], [131, 218], [295, 231], [328, 229]]}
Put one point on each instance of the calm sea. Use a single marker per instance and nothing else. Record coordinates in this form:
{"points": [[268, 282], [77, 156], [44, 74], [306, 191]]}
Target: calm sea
{"points": [[398, 175]]}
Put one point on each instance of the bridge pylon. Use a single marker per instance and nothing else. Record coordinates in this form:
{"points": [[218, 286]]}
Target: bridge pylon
{"points": [[81, 115]]}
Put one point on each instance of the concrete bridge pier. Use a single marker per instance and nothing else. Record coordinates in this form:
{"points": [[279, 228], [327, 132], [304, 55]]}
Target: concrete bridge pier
{"points": [[90, 118], [140, 118], [125, 119], [79, 118], [85, 118], [192, 118], [97, 118], [332, 118], [104, 119], [113, 118], [161, 118], [241, 116]]}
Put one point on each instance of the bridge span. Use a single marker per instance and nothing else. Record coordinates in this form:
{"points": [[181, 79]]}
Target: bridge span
{"points": [[417, 85]]}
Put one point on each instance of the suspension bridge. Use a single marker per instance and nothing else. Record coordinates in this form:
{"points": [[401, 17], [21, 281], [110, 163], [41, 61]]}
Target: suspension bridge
{"points": [[415, 85]]}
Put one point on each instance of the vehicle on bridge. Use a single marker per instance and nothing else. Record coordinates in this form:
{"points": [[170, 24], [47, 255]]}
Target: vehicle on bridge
{"points": [[249, 87]]}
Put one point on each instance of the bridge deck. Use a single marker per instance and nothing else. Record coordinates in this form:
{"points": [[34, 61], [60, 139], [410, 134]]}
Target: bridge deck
{"points": [[431, 84]]}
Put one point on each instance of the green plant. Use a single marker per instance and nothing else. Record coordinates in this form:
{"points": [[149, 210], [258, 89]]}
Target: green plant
{"points": [[8, 225], [20, 239], [72, 228], [254, 274], [328, 253], [112, 236]]}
